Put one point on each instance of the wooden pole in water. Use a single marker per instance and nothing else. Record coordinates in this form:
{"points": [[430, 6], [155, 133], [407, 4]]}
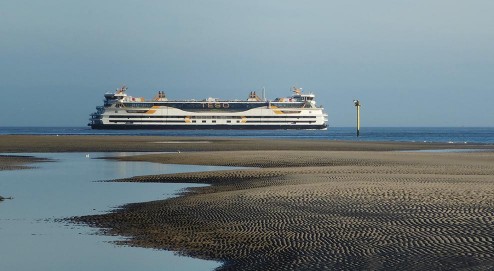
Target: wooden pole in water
{"points": [[357, 105]]}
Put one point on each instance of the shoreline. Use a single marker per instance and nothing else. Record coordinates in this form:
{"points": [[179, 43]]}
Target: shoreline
{"points": [[92, 143], [306, 205]]}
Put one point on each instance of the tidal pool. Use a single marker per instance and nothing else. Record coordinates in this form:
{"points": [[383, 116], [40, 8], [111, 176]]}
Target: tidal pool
{"points": [[30, 239]]}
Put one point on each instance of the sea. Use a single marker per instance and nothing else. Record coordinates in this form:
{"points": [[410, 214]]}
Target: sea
{"points": [[462, 135]]}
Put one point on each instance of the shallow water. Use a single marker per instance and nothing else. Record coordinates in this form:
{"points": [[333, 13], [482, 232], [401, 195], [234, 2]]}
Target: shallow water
{"points": [[30, 239]]}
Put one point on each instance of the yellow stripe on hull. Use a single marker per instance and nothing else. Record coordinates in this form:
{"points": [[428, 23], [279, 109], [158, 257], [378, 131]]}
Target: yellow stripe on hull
{"points": [[152, 110]]}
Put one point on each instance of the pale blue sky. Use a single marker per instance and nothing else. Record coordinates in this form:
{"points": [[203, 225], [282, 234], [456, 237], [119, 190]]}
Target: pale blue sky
{"points": [[411, 63]]}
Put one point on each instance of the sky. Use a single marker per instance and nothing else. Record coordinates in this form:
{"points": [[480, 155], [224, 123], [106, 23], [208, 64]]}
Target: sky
{"points": [[410, 63]]}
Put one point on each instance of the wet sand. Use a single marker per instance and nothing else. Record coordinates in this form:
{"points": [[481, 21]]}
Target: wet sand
{"points": [[339, 211], [333, 206], [72, 143], [15, 162]]}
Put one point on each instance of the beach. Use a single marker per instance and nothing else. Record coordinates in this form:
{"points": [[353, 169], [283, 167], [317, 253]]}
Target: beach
{"points": [[304, 205]]}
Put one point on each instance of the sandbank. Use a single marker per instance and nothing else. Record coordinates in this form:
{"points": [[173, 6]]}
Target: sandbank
{"points": [[305, 205], [76, 143], [16, 162], [321, 210]]}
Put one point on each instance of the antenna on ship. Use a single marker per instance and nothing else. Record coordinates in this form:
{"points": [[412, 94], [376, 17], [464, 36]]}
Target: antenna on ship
{"points": [[122, 89], [263, 93], [297, 90]]}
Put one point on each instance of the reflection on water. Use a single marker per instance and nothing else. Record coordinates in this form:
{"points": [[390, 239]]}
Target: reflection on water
{"points": [[30, 240]]}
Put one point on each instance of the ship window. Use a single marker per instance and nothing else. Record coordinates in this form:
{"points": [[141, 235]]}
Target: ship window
{"points": [[193, 121], [214, 121], [203, 121], [228, 121], [238, 121]]}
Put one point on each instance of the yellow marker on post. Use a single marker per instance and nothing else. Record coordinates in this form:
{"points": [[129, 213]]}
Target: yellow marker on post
{"points": [[357, 104]]}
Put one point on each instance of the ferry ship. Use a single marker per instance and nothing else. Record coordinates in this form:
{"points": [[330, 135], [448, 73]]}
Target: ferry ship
{"points": [[121, 111]]}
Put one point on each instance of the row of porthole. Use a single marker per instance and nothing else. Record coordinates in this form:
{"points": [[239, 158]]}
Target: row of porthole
{"points": [[213, 121]]}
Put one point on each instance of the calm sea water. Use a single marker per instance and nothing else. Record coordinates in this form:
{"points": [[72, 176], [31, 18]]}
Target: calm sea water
{"points": [[32, 239], [406, 134]]}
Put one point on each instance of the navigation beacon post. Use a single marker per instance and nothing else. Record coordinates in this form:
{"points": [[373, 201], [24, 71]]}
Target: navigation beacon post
{"points": [[357, 105]]}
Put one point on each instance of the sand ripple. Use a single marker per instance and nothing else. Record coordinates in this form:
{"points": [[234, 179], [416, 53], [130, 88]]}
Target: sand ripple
{"points": [[15, 162], [322, 211]]}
